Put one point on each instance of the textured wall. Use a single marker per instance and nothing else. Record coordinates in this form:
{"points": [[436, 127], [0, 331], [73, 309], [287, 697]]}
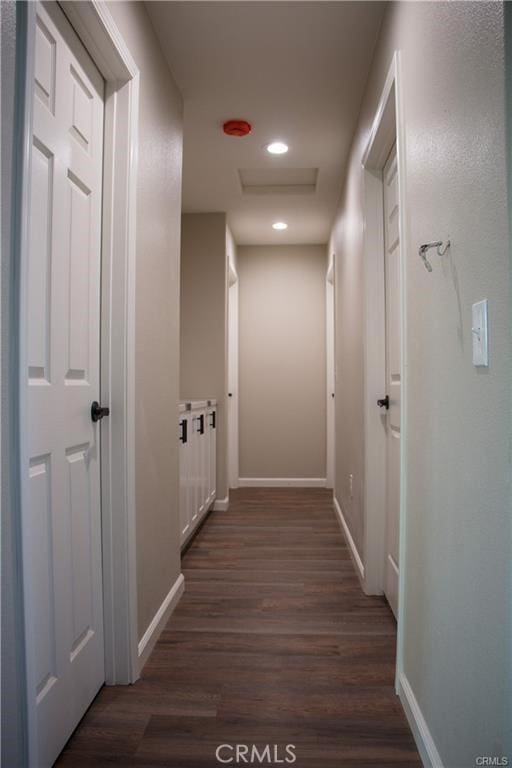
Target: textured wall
{"points": [[157, 312], [458, 528], [282, 361], [203, 370]]}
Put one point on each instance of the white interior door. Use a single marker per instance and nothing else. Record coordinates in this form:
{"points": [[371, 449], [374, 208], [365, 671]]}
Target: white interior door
{"points": [[62, 515], [393, 375]]}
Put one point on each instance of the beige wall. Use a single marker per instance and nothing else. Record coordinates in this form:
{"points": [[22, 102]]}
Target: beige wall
{"points": [[203, 366], [282, 361], [157, 312], [458, 529]]}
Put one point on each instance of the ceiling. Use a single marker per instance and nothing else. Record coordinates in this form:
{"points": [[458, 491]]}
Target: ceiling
{"points": [[296, 71]]}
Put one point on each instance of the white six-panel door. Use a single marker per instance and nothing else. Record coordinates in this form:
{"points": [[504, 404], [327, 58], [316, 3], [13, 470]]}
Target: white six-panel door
{"points": [[62, 520], [393, 375]]}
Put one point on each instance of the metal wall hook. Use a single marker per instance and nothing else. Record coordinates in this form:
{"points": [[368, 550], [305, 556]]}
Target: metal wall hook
{"points": [[427, 246]]}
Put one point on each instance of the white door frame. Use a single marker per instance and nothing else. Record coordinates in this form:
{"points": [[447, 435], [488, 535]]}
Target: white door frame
{"points": [[388, 128], [330, 410], [95, 26], [233, 324]]}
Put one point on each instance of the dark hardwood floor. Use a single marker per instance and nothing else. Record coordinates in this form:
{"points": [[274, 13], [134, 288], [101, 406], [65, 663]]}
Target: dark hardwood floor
{"points": [[272, 643]]}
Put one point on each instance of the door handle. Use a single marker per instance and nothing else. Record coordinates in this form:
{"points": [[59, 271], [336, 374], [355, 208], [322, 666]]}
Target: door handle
{"points": [[384, 403], [184, 430], [98, 411]]}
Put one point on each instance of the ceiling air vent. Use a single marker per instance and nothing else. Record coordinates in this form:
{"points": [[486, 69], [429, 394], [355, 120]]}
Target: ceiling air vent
{"points": [[278, 181]]}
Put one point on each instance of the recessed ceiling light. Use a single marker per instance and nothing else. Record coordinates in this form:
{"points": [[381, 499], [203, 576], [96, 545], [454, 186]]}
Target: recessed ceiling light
{"points": [[277, 148], [280, 225]]}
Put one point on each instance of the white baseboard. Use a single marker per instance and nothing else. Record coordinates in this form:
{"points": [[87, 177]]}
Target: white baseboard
{"points": [[221, 505], [351, 543], [160, 619], [282, 482], [420, 730]]}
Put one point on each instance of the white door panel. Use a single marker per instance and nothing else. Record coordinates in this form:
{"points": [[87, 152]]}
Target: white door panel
{"points": [[195, 452], [62, 554], [205, 460], [212, 449], [197, 467], [200, 463], [393, 375], [185, 489]]}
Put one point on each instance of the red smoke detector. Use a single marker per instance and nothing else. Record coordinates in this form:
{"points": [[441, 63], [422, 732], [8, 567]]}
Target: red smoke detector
{"points": [[237, 127]]}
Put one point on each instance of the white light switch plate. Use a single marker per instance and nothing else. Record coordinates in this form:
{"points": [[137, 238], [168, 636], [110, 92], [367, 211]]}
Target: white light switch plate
{"points": [[479, 332]]}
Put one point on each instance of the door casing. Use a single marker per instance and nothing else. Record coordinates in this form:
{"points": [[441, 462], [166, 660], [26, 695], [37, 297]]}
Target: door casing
{"points": [[95, 26], [388, 128], [232, 373], [330, 409]]}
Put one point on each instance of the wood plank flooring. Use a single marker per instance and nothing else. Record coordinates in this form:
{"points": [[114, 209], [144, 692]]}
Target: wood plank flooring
{"points": [[272, 643]]}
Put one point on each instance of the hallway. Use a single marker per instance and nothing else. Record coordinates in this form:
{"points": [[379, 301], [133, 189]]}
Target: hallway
{"points": [[256, 371], [272, 643]]}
